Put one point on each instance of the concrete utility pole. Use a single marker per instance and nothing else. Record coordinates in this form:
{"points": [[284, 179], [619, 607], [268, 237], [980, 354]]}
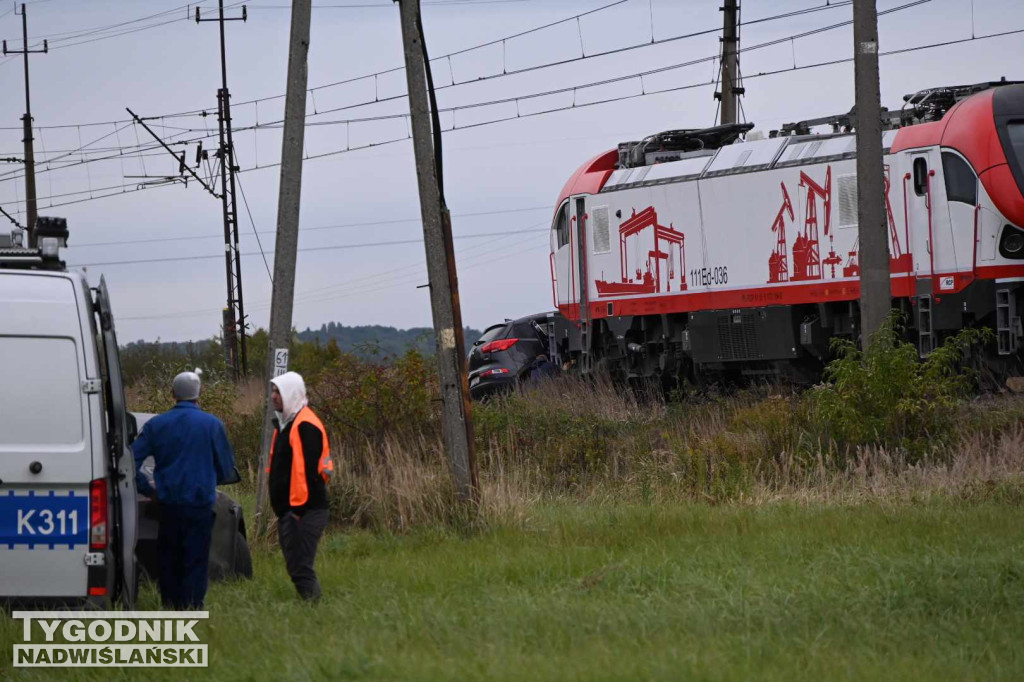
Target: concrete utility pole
{"points": [[437, 237], [30, 157], [730, 62], [287, 227], [875, 291], [234, 313]]}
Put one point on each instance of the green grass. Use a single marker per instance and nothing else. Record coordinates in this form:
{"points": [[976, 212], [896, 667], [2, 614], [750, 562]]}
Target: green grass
{"points": [[872, 591]]}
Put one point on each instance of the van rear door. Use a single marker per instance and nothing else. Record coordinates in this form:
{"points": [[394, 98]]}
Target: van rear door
{"points": [[124, 502], [46, 462]]}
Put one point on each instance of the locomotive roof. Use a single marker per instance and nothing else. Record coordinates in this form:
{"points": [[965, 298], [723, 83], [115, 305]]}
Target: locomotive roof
{"points": [[967, 126]]}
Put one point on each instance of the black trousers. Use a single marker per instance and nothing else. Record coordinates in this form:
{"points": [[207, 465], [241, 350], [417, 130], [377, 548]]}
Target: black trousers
{"points": [[184, 541], [299, 538]]}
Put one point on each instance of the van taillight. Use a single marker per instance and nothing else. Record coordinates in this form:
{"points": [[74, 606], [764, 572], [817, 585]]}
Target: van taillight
{"points": [[98, 514], [495, 346]]}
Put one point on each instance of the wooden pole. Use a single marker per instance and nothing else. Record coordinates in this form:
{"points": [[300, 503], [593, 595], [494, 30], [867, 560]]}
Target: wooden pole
{"points": [[437, 236]]}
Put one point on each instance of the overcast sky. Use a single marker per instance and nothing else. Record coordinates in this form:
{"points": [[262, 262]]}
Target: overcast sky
{"points": [[501, 180]]}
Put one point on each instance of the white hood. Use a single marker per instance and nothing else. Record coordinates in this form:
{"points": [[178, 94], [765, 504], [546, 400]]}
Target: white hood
{"points": [[293, 395]]}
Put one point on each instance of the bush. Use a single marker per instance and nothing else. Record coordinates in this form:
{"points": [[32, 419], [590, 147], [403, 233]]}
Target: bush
{"points": [[141, 360], [570, 428], [367, 402], [886, 396], [152, 393]]}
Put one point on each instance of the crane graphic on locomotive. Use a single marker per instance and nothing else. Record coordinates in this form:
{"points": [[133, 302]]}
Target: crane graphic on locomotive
{"points": [[696, 252]]}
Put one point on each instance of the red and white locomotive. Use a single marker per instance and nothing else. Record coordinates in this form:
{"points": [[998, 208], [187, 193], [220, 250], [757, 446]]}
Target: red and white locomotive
{"points": [[693, 252]]}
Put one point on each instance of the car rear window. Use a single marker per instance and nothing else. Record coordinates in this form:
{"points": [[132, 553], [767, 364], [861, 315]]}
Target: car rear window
{"points": [[493, 333], [525, 330], [41, 397]]}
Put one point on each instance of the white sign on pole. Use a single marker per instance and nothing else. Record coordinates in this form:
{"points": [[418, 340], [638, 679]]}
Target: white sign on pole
{"points": [[280, 361]]}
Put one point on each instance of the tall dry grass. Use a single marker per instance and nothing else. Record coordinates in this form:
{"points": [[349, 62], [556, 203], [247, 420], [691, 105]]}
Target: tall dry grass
{"points": [[589, 441], [980, 466]]}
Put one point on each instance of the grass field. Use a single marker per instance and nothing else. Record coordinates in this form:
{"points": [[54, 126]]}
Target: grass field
{"points": [[925, 590], [871, 527]]}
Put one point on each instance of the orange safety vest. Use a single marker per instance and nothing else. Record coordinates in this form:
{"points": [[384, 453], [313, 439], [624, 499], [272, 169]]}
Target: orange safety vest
{"points": [[298, 491]]}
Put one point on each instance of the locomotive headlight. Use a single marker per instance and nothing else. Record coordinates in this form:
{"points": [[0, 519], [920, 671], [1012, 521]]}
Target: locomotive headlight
{"points": [[1011, 245]]}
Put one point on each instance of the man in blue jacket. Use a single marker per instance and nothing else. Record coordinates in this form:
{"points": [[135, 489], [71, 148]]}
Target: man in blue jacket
{"points": [[191, 455]]}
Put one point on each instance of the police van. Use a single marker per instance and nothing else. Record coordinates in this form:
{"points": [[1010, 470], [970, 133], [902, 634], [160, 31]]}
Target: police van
{"points": [[68, 516]]}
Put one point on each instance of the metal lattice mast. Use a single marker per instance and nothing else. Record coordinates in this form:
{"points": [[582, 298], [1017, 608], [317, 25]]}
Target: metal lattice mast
{"points": [[31, 206], [234, 314]]}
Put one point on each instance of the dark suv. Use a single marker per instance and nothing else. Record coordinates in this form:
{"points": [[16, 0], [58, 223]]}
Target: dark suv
{"points": [[504, 355]]}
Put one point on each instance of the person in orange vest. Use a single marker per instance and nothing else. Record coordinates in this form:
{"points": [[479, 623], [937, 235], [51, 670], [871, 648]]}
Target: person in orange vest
{"points": [[297, 474]]}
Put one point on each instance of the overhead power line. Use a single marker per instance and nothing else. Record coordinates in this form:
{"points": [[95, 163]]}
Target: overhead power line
{"points": [[205, 111], [118, 190], [644, 92], [435, 3], [584, 56], [336, 247], [137, 151], [570, 89], [87, 41], [357, 286], [85, 32], [77, 37], [415, 272], [256, 232], [304, 230], [574, 89], [480, 46]]}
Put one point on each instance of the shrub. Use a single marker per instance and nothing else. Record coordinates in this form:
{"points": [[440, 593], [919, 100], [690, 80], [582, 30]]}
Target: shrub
{"points": [[887, 396], [372, 402], [571, 428]]}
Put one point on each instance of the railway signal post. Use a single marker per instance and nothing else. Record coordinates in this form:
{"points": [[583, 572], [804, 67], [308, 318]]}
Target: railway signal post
{"points": [[437, 237], [287, 242], [875, 288]]}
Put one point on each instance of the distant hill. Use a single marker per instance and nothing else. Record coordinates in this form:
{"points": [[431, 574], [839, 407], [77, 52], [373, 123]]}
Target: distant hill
{"points": [[365, 342], [389, 340]]}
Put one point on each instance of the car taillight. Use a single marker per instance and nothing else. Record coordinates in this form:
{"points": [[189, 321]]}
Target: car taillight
{"points": [[492, 372], [98, 514], [495, 346]]}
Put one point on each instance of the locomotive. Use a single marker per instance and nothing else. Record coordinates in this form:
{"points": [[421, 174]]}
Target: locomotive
{"points": [[697, 253]]}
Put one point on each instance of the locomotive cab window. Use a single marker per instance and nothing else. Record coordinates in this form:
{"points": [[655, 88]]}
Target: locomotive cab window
{"points": [[961, 182], [920, 176], [562, 225], [1016, 132]]}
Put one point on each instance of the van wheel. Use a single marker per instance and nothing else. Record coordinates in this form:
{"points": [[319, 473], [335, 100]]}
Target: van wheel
{"points": [[243, 557]]}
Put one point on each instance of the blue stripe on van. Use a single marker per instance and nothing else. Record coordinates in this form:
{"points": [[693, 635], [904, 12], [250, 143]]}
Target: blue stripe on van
{"points": [[45, 519]]}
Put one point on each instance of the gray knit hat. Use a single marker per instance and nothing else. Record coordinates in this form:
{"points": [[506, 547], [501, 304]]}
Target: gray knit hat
{"points": [[186, 386]]}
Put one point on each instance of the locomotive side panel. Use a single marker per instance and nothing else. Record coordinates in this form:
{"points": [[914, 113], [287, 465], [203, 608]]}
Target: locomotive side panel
{"points": [[743, 240], [643, 242], [779, 230], [778, 236]]}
